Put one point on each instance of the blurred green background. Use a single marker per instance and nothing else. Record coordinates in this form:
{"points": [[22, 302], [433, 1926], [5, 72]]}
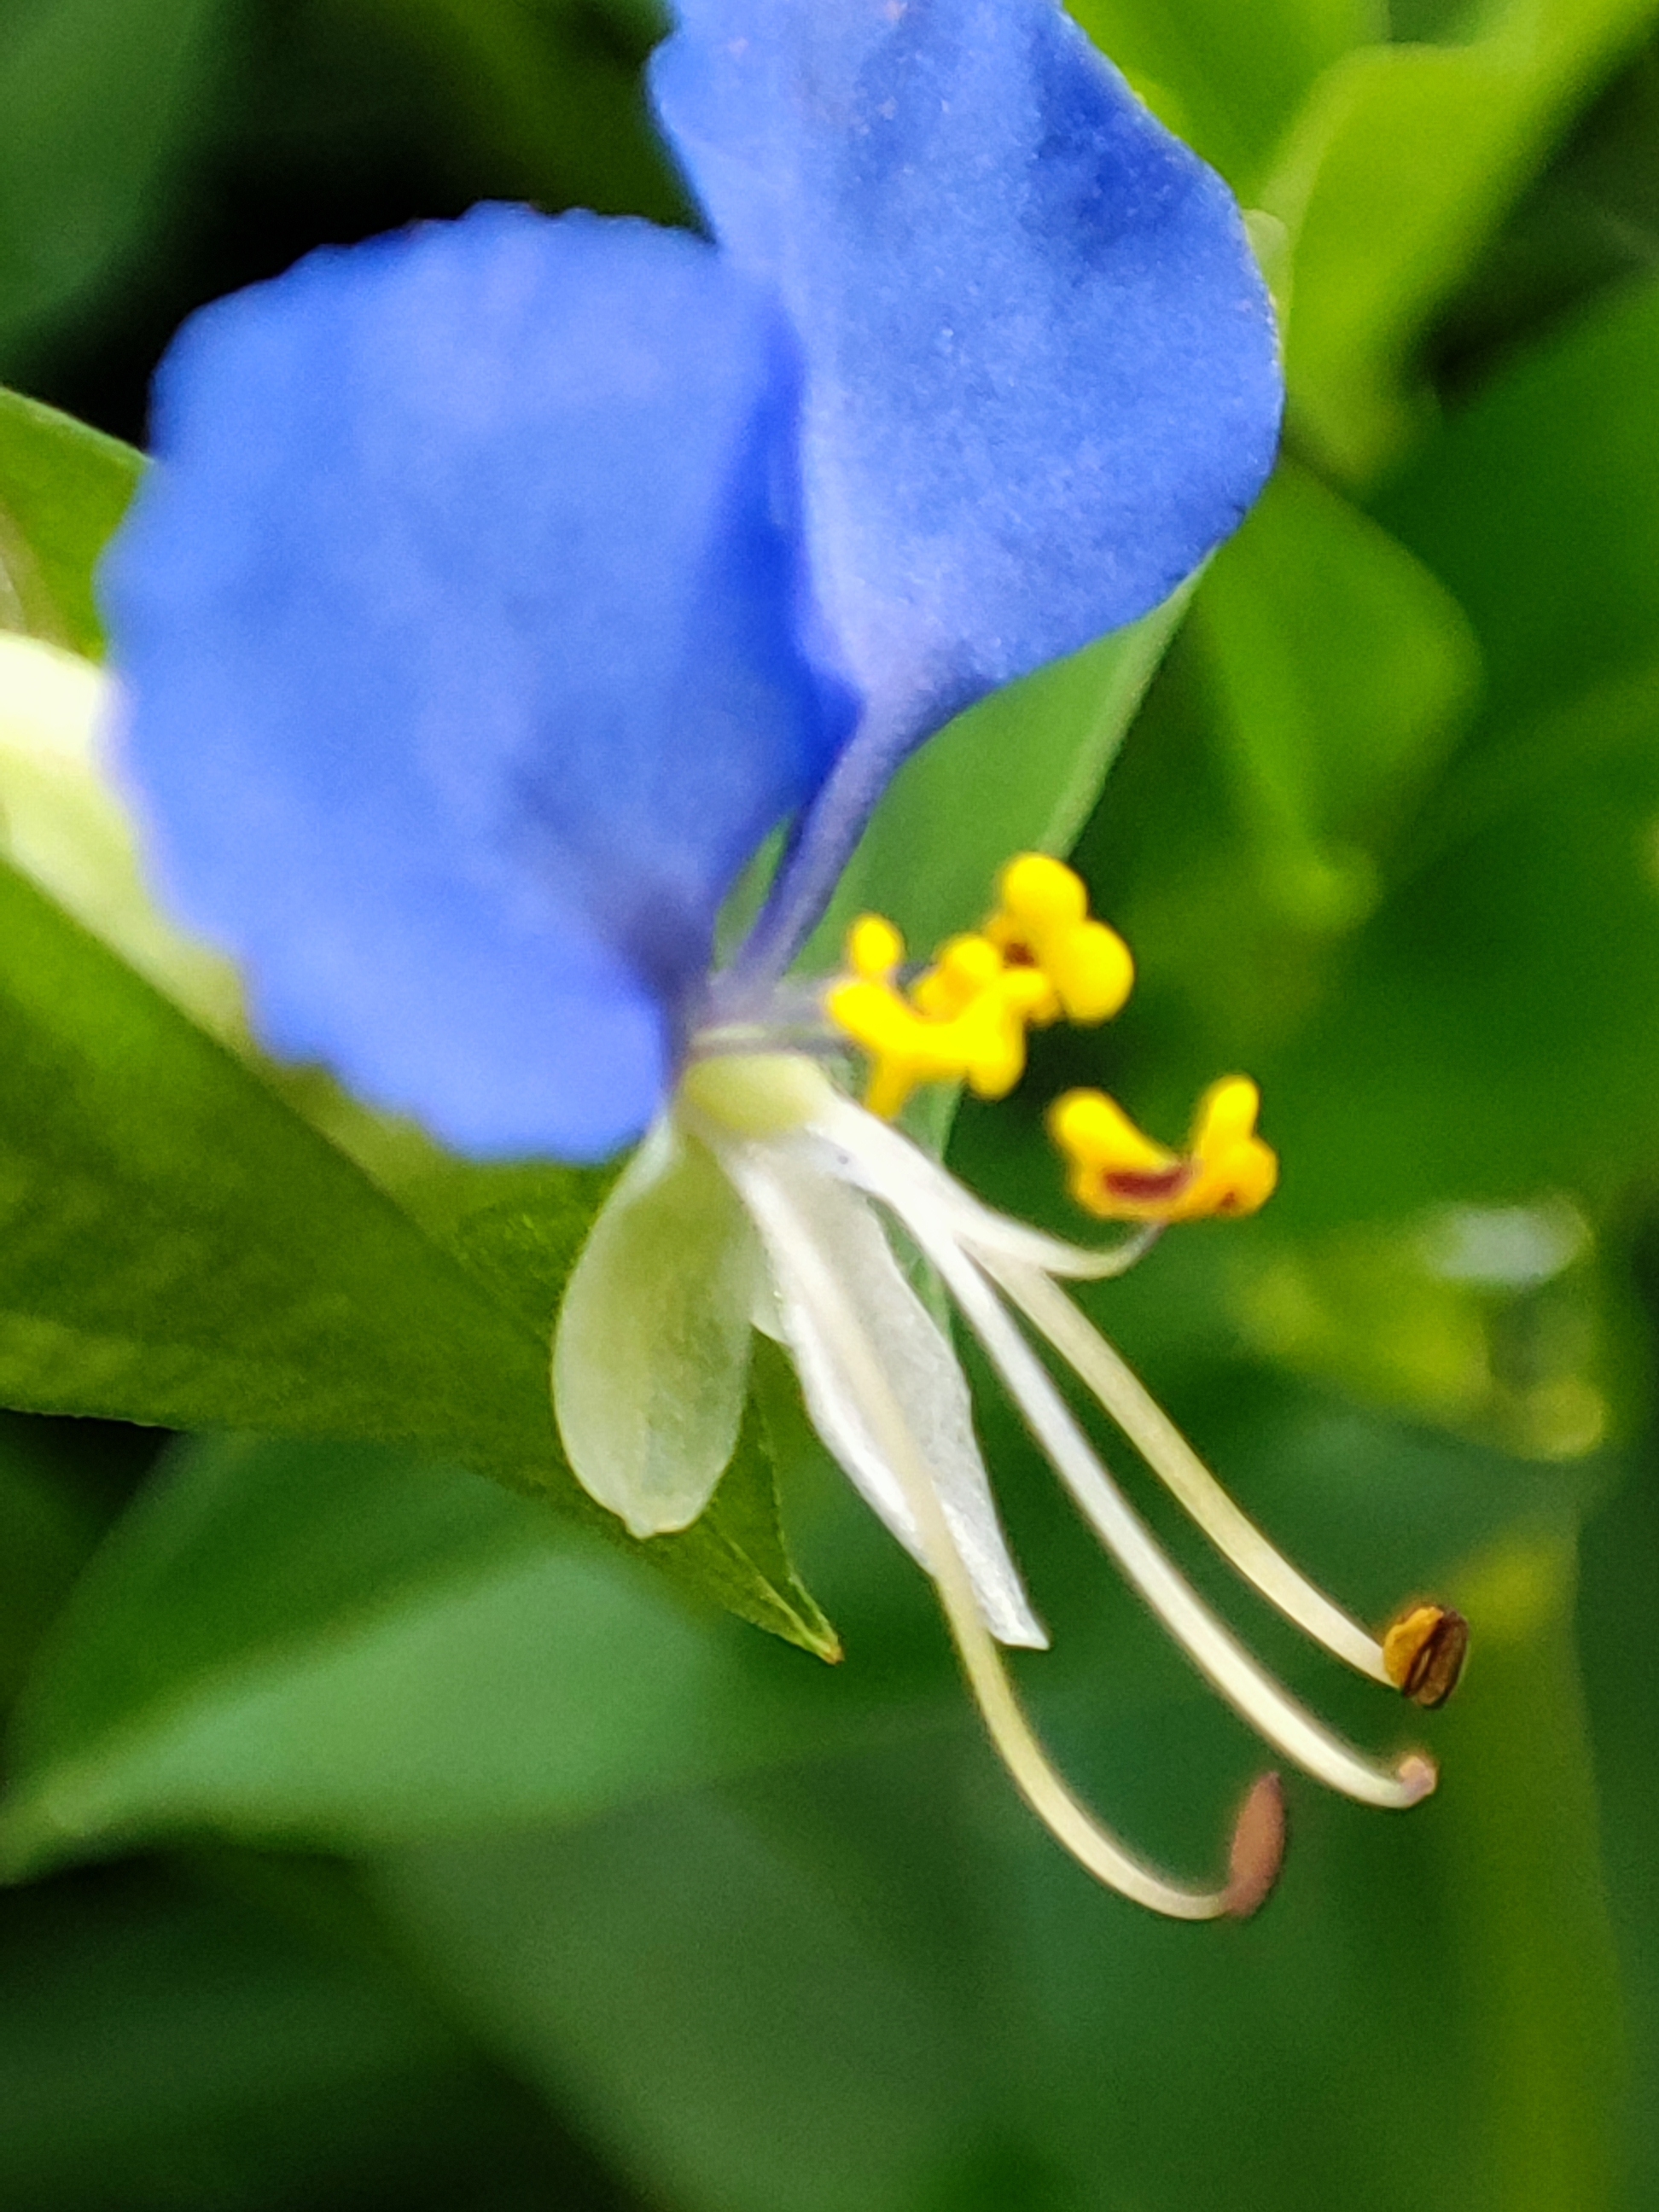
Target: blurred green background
{"points": [[380, 1845]]}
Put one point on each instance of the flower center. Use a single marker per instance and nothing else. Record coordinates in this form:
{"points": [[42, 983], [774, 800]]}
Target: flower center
{"points": [[756, 1094], [1039, 958]]}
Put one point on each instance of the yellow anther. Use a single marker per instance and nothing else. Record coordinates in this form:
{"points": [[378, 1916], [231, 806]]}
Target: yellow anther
{"points": [[1236, 1172], [1117, 1174], [1042, 921], [983, 1044], [964, 967], [964, 1020], [1041, 893], [874, 948]]}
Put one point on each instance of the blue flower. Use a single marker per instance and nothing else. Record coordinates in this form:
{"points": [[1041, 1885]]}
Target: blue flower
{"points": [[501, 585], [525, 572]]}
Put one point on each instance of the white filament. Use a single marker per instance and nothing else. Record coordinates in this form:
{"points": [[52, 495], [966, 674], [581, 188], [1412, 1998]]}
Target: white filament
{"points": [[1021, 1264], [861, 1375], [1269, 1708], [1170, 1457], [880, 1160]]}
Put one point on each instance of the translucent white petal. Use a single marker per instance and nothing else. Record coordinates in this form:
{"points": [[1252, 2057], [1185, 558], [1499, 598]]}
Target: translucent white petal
{"points": [[1021, 1260], [920, 1367], [651, 1354]]}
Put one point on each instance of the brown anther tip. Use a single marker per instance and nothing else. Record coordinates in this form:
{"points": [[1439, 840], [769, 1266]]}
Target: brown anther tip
{"points": [[1424, 1651], [1420, 1776], [1258, 1850]]}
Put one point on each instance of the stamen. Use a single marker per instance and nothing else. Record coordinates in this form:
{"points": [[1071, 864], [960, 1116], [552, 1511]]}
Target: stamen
{"points": [[1043, 920], [1173, 1460], [1039, 957], [963, 1021], [1258, 1849], [1253, 1856], [1246, 1686], [1424, 1651], [881, 1159], [1118, 1174]]}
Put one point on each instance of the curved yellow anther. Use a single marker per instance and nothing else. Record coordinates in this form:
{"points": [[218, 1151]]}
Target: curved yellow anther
{"points": [[1042, 921], [1117, 1174], [1236, 1172]]}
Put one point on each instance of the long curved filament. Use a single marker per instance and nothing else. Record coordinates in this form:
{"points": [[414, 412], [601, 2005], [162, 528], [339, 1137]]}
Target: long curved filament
{"points": [[1173, 1460], [1259, 1837], [1213, 1649]]}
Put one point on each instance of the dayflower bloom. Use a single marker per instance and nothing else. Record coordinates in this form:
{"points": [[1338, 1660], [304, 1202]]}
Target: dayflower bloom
{"points": [[502, 585]]}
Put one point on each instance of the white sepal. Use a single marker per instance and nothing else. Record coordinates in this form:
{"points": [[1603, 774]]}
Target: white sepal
{"points": [[650, 1353]]}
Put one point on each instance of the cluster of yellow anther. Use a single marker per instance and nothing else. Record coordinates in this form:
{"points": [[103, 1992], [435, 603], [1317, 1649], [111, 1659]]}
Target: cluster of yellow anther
{"points": [[1038, 957], [1041, 957]]}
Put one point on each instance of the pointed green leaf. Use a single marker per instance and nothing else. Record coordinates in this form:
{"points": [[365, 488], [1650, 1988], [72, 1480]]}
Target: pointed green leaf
{"points": [[1342, 674], [1229, 79], [1395, 176], [1020, 772], [97, 99], [63, 489], [177, 1246], [344, 1647]]}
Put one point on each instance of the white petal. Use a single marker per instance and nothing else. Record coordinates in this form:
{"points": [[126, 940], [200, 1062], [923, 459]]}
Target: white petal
{"points": [[920, 1368], [651, 1354]]}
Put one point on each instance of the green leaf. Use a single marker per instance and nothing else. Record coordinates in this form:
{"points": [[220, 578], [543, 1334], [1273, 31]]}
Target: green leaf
{"points": [[98, 98], [1618, 1605], [178, 1247], [167, 2045], [344, 1648], [1538, 506], [1228, 80], [549, 94], [1342, 673], [1488, 1040], [684, 1979], [1020, 772], [1398, 173], [63, 489], [1520, 1060], [47, 1530], [889, 1949], [1521, 1850]]}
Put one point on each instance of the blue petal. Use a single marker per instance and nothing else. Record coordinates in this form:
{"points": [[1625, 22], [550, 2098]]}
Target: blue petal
{"points": [[1043, 374], [461, 626]]}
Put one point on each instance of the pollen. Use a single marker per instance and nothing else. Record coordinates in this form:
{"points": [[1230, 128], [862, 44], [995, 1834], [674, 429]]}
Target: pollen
{"points": [[1118, 1174], [1039, 958]]}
